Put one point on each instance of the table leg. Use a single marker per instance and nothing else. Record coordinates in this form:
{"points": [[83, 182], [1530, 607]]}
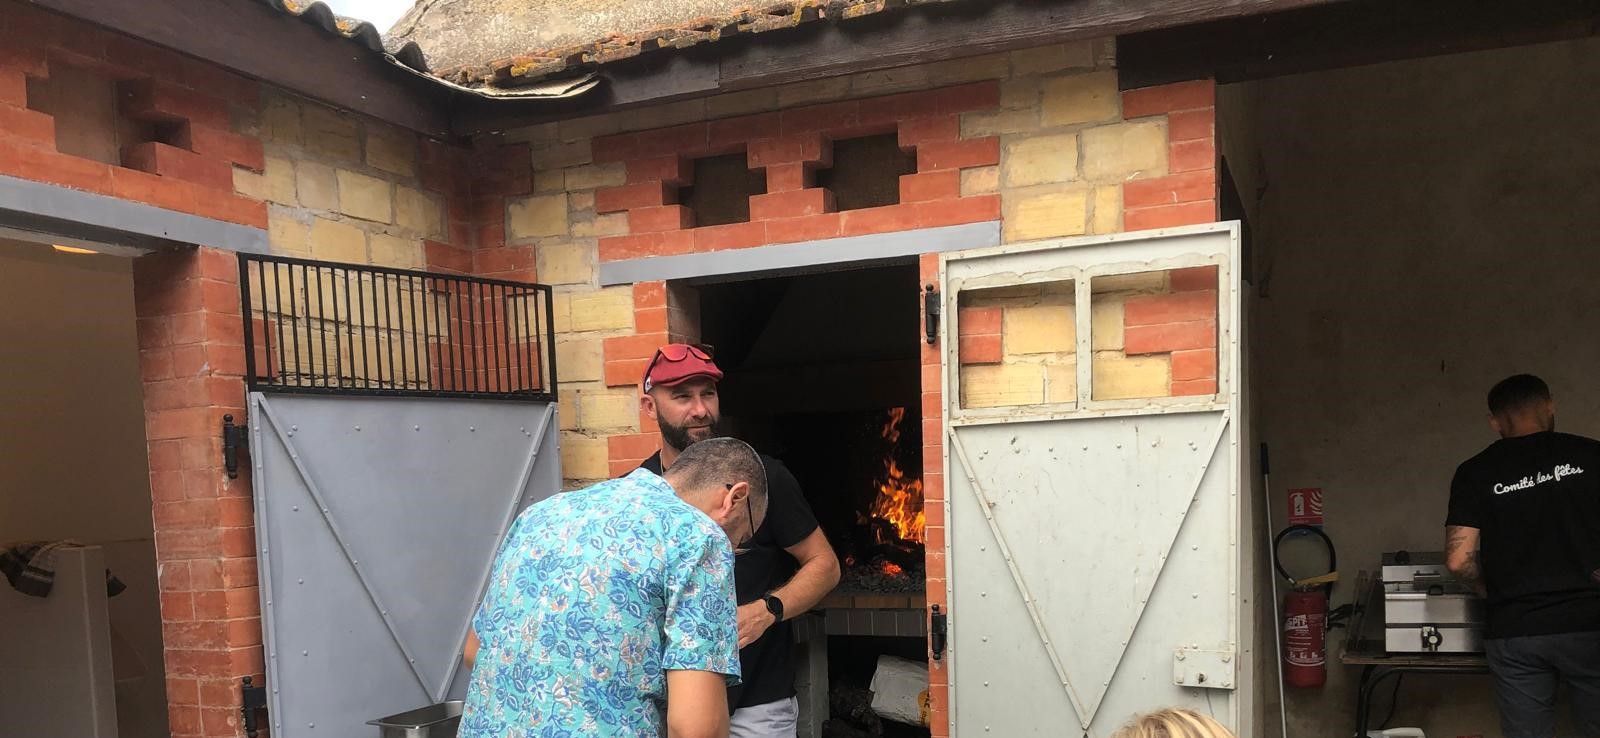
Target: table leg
{"points": [[1363, 700]]}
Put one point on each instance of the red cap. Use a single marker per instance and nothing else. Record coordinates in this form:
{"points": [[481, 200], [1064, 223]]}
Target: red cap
{"points": [[675, 363]]}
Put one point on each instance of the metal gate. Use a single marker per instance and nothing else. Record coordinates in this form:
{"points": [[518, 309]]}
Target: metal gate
{"points": [[1093, 456], [398, 423]]}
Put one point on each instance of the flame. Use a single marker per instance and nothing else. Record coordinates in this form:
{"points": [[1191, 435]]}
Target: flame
{"points": [[892, 569], [899, 500]]}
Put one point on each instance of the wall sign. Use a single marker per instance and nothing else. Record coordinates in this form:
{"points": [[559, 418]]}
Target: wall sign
{"points": [[1305, 506]]}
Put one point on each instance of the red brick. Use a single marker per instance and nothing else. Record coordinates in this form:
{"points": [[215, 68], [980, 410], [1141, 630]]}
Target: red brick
{"points": [[674, 140], [166, 456], [978, 321], [441, 256], [183, 691], [238, 541], [1179, 307], [744, 128], [1169, 216], [1191, 365], [980, 349], [13, 86], [652, 320], [1188, 156], [672, 169], [1167, 98], [158, 100], [182, 423], [177, 605], [641, 346], [932, 405], [219, 720], [801, 148], [151, 61], [243, 632], [786, 177], [239, 572], [186, 544], [665, 243], [732, 236], [649, 295], [975, 152], [235, 512], [640, 195], [919, 131], [29, 125], [940, 185], [166, 486], [206, 574], [170, 161], [623, 467], [1193, 278], [661, 218], [621, 147], [503, 259], [625, 372], [184, 720], [633, 446], [1185, 125], [880, 220], [946, 101], [1194, 387], [194, 635], [1171, 189], [791, 204], [218, 693], [957, 212], [821, 117], [807, 228], [227, 146], [43, 165], [1169, 337], [208, 77], [174, 577]]}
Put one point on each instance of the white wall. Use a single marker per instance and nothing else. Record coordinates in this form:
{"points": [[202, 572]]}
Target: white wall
{"points": [[1428, 227], [72, 437]]}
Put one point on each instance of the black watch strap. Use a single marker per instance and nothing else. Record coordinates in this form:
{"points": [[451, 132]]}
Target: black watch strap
{"points": [[774, 605]]}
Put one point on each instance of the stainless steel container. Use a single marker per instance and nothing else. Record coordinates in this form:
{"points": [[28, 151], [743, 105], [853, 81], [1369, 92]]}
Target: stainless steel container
{"points": [[1425, 610], [433, 721]]}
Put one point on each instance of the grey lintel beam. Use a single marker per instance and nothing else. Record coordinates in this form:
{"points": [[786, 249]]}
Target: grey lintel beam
{"points": [[48, 209], [256, 41]]}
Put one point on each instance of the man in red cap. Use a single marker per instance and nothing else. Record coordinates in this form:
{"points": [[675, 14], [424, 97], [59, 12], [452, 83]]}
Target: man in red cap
{"points": [[784, 570]]}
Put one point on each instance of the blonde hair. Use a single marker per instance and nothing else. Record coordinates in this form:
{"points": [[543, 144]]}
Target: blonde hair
{"points": [[1173, 723]]}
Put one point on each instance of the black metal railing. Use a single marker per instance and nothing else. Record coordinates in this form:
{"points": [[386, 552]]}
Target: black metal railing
{"points": [[326, 328]]}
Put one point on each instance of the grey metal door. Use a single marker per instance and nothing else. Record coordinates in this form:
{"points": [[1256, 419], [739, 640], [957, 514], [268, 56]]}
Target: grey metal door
{"points": [[377, 519], [1093, 455]]}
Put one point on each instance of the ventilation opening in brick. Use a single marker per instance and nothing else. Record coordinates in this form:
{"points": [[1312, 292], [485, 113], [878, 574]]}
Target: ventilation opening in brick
{"points": [[722, 189], [90, 122], [866, 171]]}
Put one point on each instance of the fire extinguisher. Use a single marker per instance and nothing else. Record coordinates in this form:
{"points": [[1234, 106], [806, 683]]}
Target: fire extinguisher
{"points": [[1305, 616]]}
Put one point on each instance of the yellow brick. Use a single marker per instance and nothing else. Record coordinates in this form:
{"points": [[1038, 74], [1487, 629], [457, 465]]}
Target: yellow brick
{"points": [[1125, 151], [582, 129], [811, 91], [543, 133], [662, 116], [980, 181], [1061, 381], [603, 310], [552, 181], [391, 150], [418, 211], [742, 103], [561, 312], [1053, 58], [280, 121], [1081, 98], [567, 408], [885, 81], [317, 185], [331, 134], [580, 201], [541, 215], [1118, 377], [368, 198], [1040, 329], [1020, 94], [566, 263], [287, 236], [1047, 215], [975, 125], [558, 156], [279, 175], [996, 385], [580, 360], [611, 224], [334, 241], [251, 184], [583, 457], [400, 253], [1107, 210], [1105, 322], [1041, 160], [593, 176], [609, 410], [1136, 282], [970, 69]]}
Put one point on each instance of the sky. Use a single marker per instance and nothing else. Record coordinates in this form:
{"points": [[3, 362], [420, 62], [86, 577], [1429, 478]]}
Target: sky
{"points": [[382, 13]]}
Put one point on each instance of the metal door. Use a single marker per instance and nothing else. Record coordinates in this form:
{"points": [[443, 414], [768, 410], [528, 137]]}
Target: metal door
{"points": [[1093, 462]]}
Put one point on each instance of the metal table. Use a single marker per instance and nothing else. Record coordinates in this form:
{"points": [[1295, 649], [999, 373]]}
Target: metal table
{"points": [[1363, 646]]}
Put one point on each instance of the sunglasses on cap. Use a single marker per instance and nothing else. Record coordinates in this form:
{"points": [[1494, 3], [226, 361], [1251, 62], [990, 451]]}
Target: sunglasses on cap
{"points": [[675, 352]]}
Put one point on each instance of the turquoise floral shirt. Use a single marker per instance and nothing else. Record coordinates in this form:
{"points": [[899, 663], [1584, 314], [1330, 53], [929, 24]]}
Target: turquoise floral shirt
{"points": [[594, 596]]}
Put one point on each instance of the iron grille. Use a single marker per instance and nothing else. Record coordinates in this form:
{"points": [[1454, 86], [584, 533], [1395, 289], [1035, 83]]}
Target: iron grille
{"points": [[324, 328]]}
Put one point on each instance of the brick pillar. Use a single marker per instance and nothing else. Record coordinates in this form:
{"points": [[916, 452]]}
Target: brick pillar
{"points": [[191, 351], [933, 503]]}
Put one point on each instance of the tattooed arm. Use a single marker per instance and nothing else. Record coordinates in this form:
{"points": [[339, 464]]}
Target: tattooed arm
{"points": [[1461, 556]]}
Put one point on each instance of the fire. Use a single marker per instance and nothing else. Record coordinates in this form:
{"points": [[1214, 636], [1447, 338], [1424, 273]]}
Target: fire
{"points": [[892, 569], [899, 500]]}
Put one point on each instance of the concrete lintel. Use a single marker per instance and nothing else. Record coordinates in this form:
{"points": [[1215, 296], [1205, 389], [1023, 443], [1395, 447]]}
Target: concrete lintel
{"points": [[51, 209], [792, 256]]}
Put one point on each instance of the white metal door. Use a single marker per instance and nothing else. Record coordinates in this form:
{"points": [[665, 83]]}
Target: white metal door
{"points": [[1092, 457]]}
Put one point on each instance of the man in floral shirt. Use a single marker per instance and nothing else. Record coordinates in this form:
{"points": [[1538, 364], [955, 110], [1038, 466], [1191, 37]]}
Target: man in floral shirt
{"points": [[610, 610]]}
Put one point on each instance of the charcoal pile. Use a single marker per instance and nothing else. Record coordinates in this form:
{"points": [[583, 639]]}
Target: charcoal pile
{"points": [[876, 579], [851, 714]]}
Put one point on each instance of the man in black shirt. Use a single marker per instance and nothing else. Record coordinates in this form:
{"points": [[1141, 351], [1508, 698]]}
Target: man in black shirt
{"points": [[1524, 529], [785, 570]]}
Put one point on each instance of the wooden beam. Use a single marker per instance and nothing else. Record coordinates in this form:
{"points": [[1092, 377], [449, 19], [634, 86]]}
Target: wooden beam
{"points": [[249, 38], [652, 80], [1345, 35]]}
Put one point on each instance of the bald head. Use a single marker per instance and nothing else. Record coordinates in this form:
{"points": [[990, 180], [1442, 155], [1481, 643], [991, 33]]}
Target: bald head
{"points": [[725, 478]]}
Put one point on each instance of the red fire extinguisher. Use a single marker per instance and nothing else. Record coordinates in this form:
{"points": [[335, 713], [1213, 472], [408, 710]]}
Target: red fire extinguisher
{"points": [[1305, 617]]}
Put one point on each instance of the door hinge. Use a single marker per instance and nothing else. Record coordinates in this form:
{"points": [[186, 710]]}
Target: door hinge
{"points": [[234, 438], [938, 632], [930, 309], [253, 698]]}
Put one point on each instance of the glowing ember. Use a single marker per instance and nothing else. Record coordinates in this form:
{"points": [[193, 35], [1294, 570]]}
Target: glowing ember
{"points": [[892, 569], [899, 500]]}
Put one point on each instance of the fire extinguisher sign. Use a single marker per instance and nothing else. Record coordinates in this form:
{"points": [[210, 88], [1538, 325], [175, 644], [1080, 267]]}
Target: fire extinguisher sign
{"points": [[1305, 506]]}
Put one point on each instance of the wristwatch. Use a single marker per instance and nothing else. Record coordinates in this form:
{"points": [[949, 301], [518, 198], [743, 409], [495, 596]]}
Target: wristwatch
{"points": [[774, 606]]}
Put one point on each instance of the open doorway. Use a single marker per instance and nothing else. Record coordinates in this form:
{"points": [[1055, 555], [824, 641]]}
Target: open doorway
{"points": [[824, 373], [73, 436]]}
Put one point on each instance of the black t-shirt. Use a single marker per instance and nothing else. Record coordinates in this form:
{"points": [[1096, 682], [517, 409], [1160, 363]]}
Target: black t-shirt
{"points": [[1536, 501], [767, 664]]}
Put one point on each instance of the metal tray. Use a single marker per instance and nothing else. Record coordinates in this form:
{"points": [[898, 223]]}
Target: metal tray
{"points": [[433, 721]]}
